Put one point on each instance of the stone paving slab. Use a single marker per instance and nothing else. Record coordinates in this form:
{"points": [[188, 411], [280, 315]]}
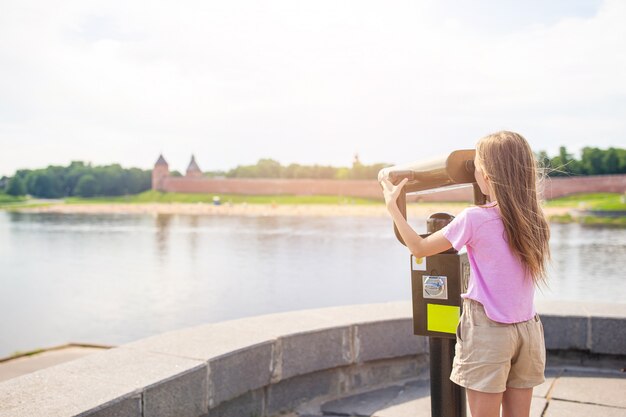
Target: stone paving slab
{"points": [[558, 408], [607, 389], [130, 368], [104, 379], [413, 401], [362, 404], [565, 393], [544, 389], [419, 407], [53, 394], [31, 363]]}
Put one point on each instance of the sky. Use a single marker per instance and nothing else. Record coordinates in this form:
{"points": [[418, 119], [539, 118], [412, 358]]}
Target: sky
{"points": [[308, 82]]}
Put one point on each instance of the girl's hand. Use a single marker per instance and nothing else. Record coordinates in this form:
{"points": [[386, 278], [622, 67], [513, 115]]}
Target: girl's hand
{"points": [[390, 191]]}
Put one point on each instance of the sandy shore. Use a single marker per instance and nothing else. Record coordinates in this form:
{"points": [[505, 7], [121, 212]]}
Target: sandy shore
{"points": [[312, 210]]}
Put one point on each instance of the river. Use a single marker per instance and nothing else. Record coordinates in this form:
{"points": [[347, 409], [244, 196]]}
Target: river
{"points": [[110, 279]]}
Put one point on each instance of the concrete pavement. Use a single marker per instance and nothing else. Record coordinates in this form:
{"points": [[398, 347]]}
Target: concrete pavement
{"points": [[569, 391], [26, 364], [575, 386]]}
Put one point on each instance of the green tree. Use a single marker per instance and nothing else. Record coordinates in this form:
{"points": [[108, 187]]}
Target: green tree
{"points": [[16, 186], [371, 171], [621, 155], [566, 160], [44, 184], [322, 172], [565, 157], [358, 171], [87, 186], [58, 181], [592, 163], [136, 180], [342, 173], [110, 179], [543, 160], [610, 161], [295, 171], [243, 171], [73, 173], [268, 168]]}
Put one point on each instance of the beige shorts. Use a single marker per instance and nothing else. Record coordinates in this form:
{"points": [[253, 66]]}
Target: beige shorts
{"points": [[491, 356]]}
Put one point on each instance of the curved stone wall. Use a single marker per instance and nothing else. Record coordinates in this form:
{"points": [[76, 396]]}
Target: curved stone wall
{"points": [[268, 364]]}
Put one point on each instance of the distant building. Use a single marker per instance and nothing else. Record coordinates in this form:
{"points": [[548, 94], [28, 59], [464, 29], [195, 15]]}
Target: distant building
{"points": [[161, 173], [193, 170], [194, 182]]}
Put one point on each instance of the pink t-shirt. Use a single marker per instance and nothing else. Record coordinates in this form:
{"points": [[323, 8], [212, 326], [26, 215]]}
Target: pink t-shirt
{"points": [[497, 278]]}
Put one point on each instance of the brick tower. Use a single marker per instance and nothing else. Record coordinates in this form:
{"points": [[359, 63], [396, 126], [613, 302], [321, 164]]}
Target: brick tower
{"points": [[159, 173], [193, 170]]}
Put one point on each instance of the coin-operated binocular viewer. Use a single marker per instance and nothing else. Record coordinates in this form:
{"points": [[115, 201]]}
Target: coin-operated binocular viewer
{"points": [[437, 281]]}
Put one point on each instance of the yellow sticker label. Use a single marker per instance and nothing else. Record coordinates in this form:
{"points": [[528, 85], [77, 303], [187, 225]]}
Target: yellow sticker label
{"points": [[442, 318], [418, 264]]}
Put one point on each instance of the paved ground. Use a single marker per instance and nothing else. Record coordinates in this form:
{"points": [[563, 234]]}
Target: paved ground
{"points": [[27, 364], [569, 391], [573, 388]]}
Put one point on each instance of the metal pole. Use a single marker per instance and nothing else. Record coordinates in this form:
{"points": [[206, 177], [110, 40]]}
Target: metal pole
{"points": [[447, 399], [456, 171]]}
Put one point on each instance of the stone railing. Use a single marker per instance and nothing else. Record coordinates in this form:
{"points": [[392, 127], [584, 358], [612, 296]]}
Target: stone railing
{"points": [[266, 365]]}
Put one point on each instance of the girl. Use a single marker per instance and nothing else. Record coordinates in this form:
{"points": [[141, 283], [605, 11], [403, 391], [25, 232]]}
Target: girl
{"points": [[500, 352]]}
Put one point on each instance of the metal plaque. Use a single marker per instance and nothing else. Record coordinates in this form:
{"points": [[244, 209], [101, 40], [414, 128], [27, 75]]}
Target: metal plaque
{"points": [[435, 286]]}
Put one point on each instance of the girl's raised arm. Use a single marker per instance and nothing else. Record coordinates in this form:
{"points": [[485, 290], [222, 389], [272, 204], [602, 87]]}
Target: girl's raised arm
{"points": [[419, 247]]}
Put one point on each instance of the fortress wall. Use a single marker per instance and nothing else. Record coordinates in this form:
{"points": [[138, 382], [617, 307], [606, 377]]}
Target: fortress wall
{"points": [[553, 187], [346, 188], [561, 186]]}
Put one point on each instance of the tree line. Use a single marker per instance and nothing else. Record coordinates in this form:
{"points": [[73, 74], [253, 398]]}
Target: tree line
{"points": [[78, 179], [83, 180], [269, 168], [593, 161]]}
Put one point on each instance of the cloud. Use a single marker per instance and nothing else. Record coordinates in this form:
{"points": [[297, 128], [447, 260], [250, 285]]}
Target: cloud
{"points": [[308, 82]]}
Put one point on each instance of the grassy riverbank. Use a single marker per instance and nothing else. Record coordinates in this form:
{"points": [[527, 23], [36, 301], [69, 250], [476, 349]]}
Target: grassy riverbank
{"points": [[589, 220], [157, 203], [595, 201], [562, 210], [579, 203], [6, 199], [159, 197]]}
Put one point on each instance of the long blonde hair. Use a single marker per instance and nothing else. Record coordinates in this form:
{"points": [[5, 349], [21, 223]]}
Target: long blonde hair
{"points": [[509, 163]]}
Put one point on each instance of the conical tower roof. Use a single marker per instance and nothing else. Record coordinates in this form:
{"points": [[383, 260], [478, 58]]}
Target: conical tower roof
{"points": [[161, 161], [193, 166]]}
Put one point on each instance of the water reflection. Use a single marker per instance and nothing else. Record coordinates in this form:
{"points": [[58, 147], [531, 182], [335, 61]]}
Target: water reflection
{"points": [[162, 223], [116, 278], [588, 263], [193, 222]]}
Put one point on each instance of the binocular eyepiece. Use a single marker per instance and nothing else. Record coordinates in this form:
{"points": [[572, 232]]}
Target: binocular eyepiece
{"points": [[456, 168]]}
